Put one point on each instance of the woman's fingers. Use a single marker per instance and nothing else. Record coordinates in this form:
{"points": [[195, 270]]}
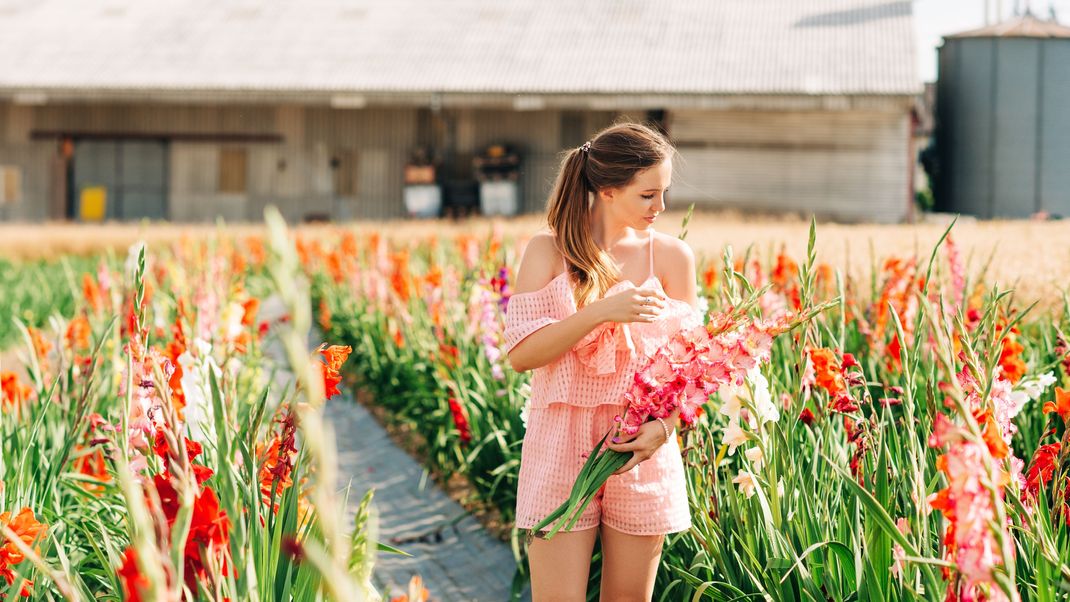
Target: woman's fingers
{"points": [[635, 459]]}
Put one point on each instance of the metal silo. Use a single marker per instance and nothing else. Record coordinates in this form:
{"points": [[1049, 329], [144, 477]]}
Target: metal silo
{"points": [[1003, 120]]}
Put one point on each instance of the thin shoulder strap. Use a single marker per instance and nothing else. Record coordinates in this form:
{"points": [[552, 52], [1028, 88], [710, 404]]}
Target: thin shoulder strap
{"points": [[650, 271]]}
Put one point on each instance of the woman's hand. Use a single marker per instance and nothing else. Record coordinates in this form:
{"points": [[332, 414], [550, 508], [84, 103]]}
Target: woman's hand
{"points": [[633, 305], [644, 443]]}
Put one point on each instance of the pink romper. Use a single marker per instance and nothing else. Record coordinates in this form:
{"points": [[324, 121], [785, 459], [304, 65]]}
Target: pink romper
{"points": [[573, 402]]}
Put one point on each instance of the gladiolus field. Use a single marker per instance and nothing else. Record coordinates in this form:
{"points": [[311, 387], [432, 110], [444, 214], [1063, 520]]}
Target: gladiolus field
{"points": [[163, 434]]}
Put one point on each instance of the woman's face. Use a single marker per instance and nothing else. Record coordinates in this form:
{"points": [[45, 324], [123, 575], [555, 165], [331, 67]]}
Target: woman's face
{"points": [[639, 202]]}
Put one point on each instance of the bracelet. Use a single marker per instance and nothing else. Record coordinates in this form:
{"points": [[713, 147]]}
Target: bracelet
{"points": [[666, 427]]}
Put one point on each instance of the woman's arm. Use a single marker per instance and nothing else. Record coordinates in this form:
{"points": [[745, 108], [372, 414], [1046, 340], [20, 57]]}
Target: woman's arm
{"points": [[548, 342], [552, 341]]}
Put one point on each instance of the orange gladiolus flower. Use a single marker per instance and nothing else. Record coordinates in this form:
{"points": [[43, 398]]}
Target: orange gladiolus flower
{"points": [[417, 592], [12, 392], [27, 529], [251, 306], [325, 316], [1010, 358], [91, 292], [399, 275], [41, 346], [336, 267], [709, 275], [993, 439], [348, 244], [1061, 405], [277, 461], [78, 333], [92, 464], [827, 371], [433, 277], [334, 356], [257, 253]]}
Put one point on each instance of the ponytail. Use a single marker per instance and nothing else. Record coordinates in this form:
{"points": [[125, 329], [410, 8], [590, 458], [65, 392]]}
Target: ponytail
{"points": [[590, 268]]}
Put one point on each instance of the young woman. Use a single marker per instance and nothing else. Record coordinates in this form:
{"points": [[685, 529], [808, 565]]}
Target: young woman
{"points": [[594, 297]]}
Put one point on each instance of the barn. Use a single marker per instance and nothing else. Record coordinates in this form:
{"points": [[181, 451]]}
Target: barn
{"points": [[195, 110]]}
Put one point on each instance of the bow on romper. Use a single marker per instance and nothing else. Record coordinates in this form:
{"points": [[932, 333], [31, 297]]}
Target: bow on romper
{"points": [[573, 402]]}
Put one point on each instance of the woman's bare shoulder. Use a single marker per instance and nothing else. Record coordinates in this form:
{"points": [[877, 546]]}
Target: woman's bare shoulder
{"points": [[671, 250], [540, 264]]}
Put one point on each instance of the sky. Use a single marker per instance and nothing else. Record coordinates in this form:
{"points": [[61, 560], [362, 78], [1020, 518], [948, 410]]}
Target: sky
{"points": [[936, 18]]}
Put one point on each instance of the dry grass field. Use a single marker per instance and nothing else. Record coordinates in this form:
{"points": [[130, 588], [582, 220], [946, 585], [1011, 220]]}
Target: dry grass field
{"points": [[1032, 257]]}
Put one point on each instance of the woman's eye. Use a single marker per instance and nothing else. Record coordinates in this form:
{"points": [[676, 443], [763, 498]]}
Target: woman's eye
{"points": [[647, 197]]}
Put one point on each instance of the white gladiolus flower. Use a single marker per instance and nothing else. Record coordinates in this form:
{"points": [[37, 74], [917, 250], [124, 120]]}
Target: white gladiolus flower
{"points": [[763, 400], [734, 436], [1034, 387], [196, 385], [746, 483], [230, 322], [731, 404], [756, 457]]}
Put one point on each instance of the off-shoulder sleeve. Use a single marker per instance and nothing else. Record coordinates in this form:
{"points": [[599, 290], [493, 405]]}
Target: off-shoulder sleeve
{"points": [[526, 313]]}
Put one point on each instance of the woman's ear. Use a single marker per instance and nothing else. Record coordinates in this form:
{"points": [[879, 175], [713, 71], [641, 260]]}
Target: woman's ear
{"points": [[607, 194]]}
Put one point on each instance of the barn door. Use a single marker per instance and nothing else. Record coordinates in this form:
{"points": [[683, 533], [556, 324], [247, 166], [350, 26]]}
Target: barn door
{"points": [[120, 179]]}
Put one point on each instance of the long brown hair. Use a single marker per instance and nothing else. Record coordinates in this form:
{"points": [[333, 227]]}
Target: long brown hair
{"points": [[610, 160]]}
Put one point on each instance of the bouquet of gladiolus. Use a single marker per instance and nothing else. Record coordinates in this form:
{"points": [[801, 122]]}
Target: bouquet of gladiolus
{"points": [[683, 374]]}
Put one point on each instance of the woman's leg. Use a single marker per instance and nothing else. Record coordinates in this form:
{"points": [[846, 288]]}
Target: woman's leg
{"points": [[560, 567], [629, 564]]}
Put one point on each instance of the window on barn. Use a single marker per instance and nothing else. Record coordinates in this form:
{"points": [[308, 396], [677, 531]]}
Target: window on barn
{"points": [[344, 171], [10, 184], [233, 170]]}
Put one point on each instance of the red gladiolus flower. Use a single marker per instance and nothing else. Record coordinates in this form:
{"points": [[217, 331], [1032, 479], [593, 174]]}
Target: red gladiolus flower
{"points": [[894, 353], [806, 417], [1042, 468], [209, 531], [209, 534], [133, 582], [193, 449], [460, 420], [843, 403]]}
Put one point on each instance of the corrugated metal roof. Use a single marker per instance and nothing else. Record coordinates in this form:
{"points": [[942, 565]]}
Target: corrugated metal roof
{"points": [[863, 47], [1027, 26]]}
